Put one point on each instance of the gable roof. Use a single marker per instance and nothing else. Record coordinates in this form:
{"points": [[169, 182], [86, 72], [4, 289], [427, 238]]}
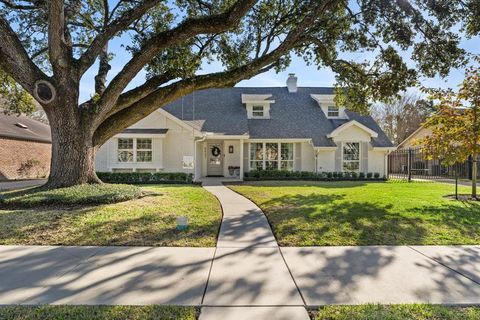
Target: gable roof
{"points": [[292, 116], [349, 124], [23, 128]]}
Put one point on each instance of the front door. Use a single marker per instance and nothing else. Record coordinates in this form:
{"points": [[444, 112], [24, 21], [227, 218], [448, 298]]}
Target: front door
{"points": [[214, 159]]}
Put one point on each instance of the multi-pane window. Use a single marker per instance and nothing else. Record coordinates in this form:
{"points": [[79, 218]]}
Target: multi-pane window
{"points": [[271, 156], [333, 111], [125, 150], [256, 156], [286, 162], [131, 150], [351, 156], [258, 112], [144, 150]]}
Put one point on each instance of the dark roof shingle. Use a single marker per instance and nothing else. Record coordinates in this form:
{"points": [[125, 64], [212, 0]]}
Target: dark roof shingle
{"points": [[292, 116], [23, 128]]}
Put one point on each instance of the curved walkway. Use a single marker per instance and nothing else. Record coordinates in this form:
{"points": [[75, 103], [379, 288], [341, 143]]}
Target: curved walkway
{"points": [[249, 278]]}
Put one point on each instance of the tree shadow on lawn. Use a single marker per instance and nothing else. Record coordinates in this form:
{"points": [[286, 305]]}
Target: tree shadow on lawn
{"points": [[84, 226], [317, 219]]}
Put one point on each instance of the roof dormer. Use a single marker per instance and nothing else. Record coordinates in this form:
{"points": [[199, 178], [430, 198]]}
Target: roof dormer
{"points": [[258, 105], [329, 107]]}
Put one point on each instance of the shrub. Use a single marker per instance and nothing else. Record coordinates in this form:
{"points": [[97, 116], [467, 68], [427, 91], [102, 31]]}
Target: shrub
{"points": [[376, 175], [369, 175], [304, 175], [145, 177], [76, 195]]}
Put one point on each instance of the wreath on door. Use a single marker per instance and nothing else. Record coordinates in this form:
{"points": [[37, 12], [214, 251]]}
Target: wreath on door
{"points": [[216, 151]]}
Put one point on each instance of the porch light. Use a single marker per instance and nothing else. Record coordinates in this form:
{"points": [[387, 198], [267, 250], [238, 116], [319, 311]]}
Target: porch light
{"points": [[182, 223]]}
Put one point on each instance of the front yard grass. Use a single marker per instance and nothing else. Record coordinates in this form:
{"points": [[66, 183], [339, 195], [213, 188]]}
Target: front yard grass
{"points": [[365, 213], [396, 312], [98, 312], [148, 221]]}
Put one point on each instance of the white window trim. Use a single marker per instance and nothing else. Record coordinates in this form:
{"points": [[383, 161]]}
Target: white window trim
{"points": [[134, 150], [337, 111], [266, 110], [360, 146], [258, 111], [264, 160]]}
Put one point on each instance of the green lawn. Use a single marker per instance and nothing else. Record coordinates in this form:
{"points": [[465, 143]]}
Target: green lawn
{"points": [[396, 312], [365, 213], [148, 221], [98, 313]]}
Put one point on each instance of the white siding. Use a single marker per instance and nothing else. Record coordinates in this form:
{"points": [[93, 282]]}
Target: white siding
{"points": [[351, 134], [307, 157], [231, 159], [167, 154], [326, 161], [376, 162]]}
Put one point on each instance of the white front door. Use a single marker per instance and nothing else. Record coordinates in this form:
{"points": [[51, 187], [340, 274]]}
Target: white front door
{"points": [[214, 159]]}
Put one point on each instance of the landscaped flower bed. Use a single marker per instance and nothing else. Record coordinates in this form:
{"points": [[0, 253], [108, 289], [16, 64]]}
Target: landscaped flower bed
{"points": [[256, 175]]}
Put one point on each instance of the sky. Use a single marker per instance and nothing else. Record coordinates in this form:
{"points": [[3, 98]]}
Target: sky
{"points": [[308, 75]]}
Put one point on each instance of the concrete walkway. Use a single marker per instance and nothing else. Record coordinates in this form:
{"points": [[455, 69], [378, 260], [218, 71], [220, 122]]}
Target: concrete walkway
{"points": [[249, 278]]}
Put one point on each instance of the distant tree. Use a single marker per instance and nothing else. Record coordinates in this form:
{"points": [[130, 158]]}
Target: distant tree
{"points": [[13, 98], [48, 46], [456, 125], [401, 117]]}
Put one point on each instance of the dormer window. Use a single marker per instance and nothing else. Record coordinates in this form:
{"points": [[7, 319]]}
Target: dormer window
{"points": [[333, 112], [258, 112], [257, 105]]}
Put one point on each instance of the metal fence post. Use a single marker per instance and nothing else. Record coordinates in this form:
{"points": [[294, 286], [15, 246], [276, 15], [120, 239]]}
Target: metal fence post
{"points": [[409, 165]]}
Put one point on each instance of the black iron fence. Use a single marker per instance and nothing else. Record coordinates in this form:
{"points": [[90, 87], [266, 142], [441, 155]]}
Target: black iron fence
{"points": [[408, 164]]}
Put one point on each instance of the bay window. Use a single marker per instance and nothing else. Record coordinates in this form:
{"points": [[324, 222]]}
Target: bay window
{"points": [[134, 150], [271, 156], [351, 156]]}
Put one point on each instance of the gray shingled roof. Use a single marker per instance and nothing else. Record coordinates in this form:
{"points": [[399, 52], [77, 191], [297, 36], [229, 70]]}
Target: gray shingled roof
{"points": [[292, 116], [142, 130], [11, 127]]}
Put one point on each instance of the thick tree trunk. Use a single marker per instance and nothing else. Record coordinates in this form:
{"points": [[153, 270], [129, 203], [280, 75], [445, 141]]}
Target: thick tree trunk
{"points": [[73, 153]]}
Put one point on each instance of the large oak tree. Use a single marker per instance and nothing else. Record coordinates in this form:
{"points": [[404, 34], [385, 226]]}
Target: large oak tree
{"points": [[47, 46]]}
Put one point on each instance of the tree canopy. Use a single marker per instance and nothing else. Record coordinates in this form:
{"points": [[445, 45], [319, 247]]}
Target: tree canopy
{"points": [[455, 125], [47, 47]]}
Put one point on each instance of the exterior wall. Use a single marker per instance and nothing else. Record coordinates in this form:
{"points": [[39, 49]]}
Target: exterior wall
{"points": [[231, 159], [410, 141], [15, 153], [326, 161], [376, 162], [352, 134], [307, 157], [167, 152]]}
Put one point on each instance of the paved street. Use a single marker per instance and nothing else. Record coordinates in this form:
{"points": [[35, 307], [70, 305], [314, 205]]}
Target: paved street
{"points": [[20, 184]]}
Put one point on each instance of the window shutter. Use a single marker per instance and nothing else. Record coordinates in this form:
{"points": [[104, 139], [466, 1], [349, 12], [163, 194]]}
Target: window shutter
{"points": [[298, 157], [364, 156], [338, 157], [246, 155]]}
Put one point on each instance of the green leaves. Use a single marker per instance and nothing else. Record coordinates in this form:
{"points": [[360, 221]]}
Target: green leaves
{"points": [[13, 99]]}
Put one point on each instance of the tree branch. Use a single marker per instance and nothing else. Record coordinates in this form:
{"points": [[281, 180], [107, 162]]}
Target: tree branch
{"points": [[118, 25], [59, 51], [186, 30], [14, 59], [164, 95]]}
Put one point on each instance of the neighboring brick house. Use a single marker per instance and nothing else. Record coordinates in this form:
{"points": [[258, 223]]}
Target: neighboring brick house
{"points": [[25, 148]]}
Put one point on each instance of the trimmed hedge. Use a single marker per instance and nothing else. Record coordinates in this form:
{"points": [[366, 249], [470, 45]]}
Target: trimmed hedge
{"points": [[307, 175], [145, 177], [85, 194]]}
